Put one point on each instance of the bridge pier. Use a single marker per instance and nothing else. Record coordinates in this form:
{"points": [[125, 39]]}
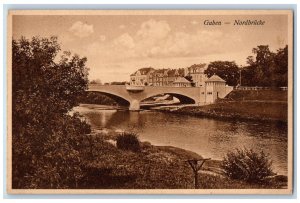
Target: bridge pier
{"points": [[134, 95], [134, 105]]}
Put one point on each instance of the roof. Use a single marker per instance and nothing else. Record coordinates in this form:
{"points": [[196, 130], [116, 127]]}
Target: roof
{"points": [[181, 80], [160, 72], [215, 78], [143, 71]]}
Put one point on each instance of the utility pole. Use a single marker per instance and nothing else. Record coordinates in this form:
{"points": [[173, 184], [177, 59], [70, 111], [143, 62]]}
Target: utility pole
{"points": [[196, 165], [241, 67]]}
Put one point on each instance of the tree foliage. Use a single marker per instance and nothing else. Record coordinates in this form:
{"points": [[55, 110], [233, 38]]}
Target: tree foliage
{"points": [[97, 98], [128, 141], [97, 81], [119, 83], [266, 68], [190, 78], [227, 70], [45, 138], [247, 165]]}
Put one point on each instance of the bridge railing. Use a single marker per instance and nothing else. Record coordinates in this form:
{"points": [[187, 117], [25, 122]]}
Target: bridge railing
{"points": [[260, 88]]}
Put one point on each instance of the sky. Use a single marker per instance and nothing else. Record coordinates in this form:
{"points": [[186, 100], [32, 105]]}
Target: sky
{"points": [[118, 45]]}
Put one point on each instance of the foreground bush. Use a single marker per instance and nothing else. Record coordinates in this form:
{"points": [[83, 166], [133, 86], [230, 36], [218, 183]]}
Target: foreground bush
{"points": [[96, 98], [247, 165], [128, 141], [46, 140]]}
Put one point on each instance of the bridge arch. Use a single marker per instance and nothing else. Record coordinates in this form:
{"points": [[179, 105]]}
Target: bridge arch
{"points": [[118, 92], [118, 99], [182, 97]]}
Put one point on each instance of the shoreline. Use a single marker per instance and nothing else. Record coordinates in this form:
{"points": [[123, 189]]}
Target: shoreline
{"points": [[223, 117], [167, 166], [190, 111], [212, 166]]}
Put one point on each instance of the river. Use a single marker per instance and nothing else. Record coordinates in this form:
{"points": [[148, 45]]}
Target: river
{"points": [[209, 138]]}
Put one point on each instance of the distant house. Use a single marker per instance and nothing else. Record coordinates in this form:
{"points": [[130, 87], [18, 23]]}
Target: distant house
{"points": [[141, 77], [159, 77], [182, 82], [172, 76], [150, 76], [196, 71]]}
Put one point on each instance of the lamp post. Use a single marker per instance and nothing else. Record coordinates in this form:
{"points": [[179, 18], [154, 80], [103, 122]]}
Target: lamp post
{"points": [[241, 67]]}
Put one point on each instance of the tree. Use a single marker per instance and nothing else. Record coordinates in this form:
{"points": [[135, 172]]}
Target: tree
{"points": [[189, 78], [281, 72], [118, 83], [267, 68], [247, 165], [227, 70], [263, 63], [45, 137], [248, 76], [97, 81]]}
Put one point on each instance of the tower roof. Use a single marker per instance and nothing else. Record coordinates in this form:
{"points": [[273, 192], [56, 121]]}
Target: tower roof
{"points": [[181, 80], [215, 78]]}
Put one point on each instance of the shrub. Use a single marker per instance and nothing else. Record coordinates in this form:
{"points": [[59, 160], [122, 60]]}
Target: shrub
{"points": [[46, 141], [247, 165], [128, 141]]}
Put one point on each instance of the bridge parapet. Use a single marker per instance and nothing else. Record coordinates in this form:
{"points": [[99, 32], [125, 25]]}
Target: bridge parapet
{"points": [[135, 95]]}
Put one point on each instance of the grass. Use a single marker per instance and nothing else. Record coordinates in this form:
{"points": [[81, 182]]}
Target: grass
{"points": [[265, 105], [239, 111], [243, 110], [218, 182], [163, 167], [258, 95]]}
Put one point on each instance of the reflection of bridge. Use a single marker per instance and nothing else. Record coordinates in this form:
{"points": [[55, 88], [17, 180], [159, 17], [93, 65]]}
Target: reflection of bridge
{"points": [[134, 97]]}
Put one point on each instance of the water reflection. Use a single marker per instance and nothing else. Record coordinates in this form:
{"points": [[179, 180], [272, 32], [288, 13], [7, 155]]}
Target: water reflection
{"points": [[208, 137]]}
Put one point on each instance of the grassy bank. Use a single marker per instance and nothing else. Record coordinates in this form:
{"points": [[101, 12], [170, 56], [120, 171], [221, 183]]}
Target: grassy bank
{"points": [[263, 105], [258, 95], [156, 167], [239, 110]]}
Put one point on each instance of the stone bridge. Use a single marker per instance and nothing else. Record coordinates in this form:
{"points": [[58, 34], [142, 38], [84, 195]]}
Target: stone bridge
{"points": [[134, 96]]}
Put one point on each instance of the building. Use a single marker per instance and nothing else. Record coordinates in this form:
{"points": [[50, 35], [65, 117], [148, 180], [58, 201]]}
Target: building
{"points": [[166, 77], [214, 88], [182, 82], [196, 71], [141, 77], [150, 76], [159, 77], [173, 74], [210, 88]]}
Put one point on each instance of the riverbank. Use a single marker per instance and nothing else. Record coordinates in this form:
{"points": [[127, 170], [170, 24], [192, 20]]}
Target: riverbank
{"points": [[153, 167], [236, 110], [248, 105]]}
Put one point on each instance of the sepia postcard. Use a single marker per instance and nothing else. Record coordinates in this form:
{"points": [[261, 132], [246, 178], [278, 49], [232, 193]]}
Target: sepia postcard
{"points": [[150, 102]]}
